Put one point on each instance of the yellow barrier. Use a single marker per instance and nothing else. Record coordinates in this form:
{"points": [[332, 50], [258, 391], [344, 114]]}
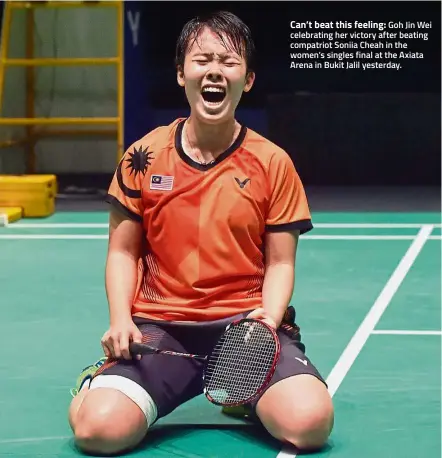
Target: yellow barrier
{"points": [[33, 194], [9, 215]]}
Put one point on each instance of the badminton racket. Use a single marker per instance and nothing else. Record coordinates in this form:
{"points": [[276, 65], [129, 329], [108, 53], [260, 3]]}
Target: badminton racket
{"points": [[240, 366]]}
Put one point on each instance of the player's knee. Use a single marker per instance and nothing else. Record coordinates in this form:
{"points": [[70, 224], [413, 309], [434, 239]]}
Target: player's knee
{"points": [[309, 430], [298, 410], [308, 440], [101, 434], [96, 429], [93, 438], [92, 435]]}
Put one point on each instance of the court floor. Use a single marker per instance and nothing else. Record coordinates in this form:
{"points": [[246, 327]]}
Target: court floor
{"points": [[368, 299]]}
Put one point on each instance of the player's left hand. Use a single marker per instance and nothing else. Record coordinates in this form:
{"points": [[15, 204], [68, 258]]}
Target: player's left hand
{"points": [[261, 314]]}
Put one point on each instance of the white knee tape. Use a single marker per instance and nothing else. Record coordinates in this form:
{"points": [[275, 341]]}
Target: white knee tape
{"points": [[132, 390]]}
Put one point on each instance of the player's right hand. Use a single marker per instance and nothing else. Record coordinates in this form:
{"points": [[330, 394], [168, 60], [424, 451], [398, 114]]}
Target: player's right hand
{"points": [[116, 339]]}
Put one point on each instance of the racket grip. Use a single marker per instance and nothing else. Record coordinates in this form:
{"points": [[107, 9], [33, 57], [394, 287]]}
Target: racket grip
{"points": [[136, 348]]}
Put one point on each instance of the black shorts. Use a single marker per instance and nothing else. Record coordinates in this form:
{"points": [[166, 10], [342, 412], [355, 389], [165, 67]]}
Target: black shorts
{"points": [[171, 381]]}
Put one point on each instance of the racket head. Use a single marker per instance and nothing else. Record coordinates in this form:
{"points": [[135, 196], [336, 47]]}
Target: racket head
{"points": [[242, 363]]}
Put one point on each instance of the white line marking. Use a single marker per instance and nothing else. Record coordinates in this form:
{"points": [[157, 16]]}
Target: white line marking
{"points": [[366, 237], [306, 237], [367, 326], [33, 439], [59, 225], [53, 236], [358, 237], [19, 225], [406, 332], [373, 225]]}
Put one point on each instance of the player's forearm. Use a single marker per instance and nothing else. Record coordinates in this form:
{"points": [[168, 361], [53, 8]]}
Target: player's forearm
{"points": [[121, 282], [279, 280]]}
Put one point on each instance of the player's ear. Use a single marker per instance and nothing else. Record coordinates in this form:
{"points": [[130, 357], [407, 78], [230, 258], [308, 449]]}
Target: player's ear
{"points": [[180, 75], [250, 79]]}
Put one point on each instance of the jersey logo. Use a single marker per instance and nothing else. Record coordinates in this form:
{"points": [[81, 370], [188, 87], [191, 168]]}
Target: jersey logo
{"points": [[161, 182], [139, 160], [242, 183]]}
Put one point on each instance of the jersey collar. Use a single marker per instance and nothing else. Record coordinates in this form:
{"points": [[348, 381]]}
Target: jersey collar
{"points": [[204, 167]]}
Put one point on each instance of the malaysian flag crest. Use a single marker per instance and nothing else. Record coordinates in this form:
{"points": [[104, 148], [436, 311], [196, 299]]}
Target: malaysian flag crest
{"points": [[161, 182]]}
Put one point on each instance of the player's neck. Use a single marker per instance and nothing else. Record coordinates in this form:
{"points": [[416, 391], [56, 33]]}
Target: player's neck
{"points": [[211, 140]]}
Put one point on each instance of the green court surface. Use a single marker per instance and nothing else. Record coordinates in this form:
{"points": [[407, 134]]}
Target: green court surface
{"points": [[368, 300]]}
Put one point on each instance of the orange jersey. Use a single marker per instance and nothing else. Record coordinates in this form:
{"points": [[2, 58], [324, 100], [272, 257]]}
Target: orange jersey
{"points": [[205, 224]]}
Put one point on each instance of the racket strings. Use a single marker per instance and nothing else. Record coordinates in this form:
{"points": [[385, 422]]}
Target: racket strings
{"points": [[240, 363]]}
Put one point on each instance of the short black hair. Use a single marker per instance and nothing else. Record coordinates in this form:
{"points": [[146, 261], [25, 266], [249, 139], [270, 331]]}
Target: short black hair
{"points": [[224, 25]]}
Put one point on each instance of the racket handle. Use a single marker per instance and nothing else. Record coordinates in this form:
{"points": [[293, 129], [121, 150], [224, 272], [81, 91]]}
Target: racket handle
{"points": [[141, 349]]}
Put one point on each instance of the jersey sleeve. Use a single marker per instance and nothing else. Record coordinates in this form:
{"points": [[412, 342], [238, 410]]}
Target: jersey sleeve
{"points": [[125, 191], [288, 207]]}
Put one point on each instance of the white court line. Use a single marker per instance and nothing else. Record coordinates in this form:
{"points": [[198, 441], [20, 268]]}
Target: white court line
{"points": [[373, 225], [366, 237], [20, 225], [367, 326], [53, 236], [305, 237], [406, 332], [33, 439]]}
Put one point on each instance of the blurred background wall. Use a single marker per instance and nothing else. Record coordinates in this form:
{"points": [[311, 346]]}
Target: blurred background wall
{"points": [[341, 128]]}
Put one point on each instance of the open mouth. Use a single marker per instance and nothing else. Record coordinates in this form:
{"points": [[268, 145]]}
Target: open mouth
{"points": [[213, 94]]}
